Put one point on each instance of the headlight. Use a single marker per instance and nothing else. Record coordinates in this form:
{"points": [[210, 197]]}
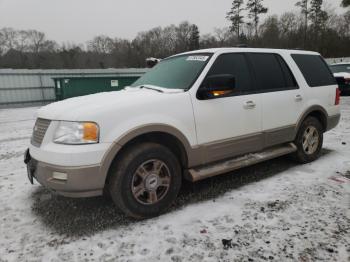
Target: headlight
{"points": [[76, 133]]}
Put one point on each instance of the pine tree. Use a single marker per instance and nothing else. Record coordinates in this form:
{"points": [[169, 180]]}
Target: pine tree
{"points": [[235, 16], [304, 6], [318, 16], [345, 3], [194, 38], [255, 9]]}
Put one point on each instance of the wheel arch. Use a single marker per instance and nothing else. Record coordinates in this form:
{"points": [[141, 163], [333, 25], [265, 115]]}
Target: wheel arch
{"points": [[166, 135], [316, 111]]}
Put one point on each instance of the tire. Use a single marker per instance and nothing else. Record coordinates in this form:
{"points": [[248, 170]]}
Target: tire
{"points": [[309, 146], [145, 180]]}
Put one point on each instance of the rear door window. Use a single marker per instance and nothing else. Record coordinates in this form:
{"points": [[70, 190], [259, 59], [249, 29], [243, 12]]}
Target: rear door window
{"points": [[272, 73], [314, 69], [291, 83]]}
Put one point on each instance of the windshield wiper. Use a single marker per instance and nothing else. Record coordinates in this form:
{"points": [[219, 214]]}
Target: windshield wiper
{"points": [[152, 88]]}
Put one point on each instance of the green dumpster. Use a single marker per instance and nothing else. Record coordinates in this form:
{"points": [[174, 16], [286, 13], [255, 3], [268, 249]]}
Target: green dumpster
{"points": [[67, 87]]}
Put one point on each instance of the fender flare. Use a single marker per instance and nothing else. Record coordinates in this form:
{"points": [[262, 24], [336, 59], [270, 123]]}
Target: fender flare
{"points": [[192, 157], [307, 112]]}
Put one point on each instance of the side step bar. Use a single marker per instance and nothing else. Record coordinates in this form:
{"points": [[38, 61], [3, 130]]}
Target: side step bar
{"points": [[196, 174]]}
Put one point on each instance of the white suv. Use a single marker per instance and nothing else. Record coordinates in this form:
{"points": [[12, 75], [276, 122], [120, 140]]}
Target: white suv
{"points": [[193, 116]]}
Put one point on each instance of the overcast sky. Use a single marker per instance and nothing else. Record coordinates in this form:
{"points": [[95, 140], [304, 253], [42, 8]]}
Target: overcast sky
{"points": [[80, 20]]}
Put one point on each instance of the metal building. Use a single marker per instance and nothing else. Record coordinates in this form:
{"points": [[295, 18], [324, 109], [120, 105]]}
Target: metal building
{"points": [[23, 87]]}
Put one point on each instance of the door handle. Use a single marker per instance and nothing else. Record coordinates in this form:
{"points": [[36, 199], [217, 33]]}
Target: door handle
{"points": [[249, 105], [298, 98]]}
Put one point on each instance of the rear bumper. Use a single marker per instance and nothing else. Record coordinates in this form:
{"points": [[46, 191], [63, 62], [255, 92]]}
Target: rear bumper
{"points": [[83, 181], [333, 121]]}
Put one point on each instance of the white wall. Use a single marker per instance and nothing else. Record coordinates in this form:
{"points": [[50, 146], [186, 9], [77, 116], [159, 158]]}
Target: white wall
{"points": [[338, 60], [27, 87]]}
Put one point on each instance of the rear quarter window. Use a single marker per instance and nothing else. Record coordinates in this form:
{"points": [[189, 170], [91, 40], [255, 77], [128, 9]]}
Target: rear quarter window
{"points": [[314, 69]]}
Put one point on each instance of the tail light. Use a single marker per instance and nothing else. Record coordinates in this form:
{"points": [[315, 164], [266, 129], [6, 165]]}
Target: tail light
{"points": [[337, 97]]}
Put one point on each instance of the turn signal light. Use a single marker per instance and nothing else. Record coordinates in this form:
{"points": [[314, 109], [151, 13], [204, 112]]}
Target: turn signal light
{"points": [[90, 131], [220, 93]]}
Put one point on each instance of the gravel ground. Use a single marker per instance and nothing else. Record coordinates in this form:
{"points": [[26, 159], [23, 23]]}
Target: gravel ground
{"points": [[274, 211]]}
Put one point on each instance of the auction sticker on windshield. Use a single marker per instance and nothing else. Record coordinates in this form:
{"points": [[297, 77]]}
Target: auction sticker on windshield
{"points": [[201, 58]]}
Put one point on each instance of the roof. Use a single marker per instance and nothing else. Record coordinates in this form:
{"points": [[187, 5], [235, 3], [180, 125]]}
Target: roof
{"points": [[342, 63], [246, 50], [115, 71], [102, 76]]}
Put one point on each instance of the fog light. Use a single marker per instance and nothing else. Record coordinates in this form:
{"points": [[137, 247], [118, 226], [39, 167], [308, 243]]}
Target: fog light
{"points": [[59, 176]]}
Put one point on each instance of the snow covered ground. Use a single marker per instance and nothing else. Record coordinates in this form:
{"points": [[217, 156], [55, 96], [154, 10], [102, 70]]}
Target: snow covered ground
{"points": [[276, 210]]}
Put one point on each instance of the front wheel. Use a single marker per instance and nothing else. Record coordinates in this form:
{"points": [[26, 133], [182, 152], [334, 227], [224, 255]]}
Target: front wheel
{"points": [[145, 180], [309, 140]]}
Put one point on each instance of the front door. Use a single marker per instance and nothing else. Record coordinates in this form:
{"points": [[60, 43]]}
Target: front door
{"points": [[229, 125]]}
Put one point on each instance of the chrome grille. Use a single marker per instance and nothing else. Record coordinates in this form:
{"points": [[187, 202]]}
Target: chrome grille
{"points": [[39, 131]]}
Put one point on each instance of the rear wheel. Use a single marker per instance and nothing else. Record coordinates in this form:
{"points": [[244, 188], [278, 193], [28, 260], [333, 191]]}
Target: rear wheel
{"points": [[145, 180], [309, 140]]}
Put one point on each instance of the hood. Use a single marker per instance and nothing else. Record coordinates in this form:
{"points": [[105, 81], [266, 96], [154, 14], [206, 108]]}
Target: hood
{"points": [[87, 108]]}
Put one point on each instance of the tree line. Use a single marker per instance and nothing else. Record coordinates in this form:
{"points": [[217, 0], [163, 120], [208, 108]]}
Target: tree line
{"points": [[312, 27]]}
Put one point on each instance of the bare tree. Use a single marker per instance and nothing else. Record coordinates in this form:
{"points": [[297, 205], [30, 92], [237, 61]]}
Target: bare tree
{"points": [[22, 42], [183, 35], [288, 23], [36, 39], [9, 36], [101, 44], [222, 36], [2, 43], [37, 42], [328, 33]]}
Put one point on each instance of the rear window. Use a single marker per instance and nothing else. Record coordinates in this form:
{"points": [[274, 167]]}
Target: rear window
{"points": [[314, 69]]}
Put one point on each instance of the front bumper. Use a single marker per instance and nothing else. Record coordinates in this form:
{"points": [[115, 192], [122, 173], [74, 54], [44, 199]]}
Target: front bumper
{"points": [[82, 181]]}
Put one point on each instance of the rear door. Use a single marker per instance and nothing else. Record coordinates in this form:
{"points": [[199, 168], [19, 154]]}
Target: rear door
{"points": [[282, 99]]}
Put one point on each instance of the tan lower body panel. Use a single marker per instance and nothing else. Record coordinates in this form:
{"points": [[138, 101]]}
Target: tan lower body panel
{"points": [[196, 174], [84, 181], [238, 146]]}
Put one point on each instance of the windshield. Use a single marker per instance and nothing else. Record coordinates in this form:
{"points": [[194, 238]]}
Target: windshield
{"points": [[340, 68], [179, 72]]}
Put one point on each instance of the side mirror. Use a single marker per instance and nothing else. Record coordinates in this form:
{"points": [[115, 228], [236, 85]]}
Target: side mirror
{"points": [[216, 86]]}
